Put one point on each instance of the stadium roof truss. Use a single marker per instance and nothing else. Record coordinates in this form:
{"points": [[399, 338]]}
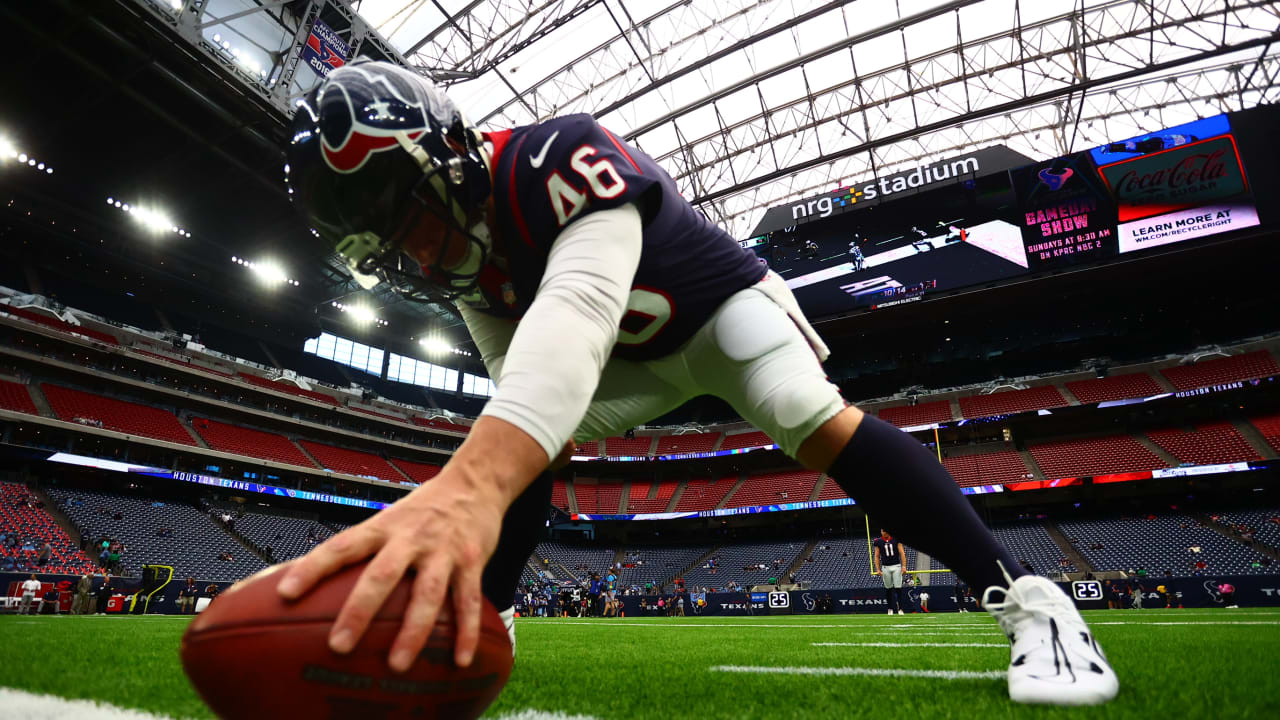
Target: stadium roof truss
{"points": [[752, 103], [749, 103]]}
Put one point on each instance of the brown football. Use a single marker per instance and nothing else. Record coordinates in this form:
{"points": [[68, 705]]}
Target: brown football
{"points": [[251, 654]]}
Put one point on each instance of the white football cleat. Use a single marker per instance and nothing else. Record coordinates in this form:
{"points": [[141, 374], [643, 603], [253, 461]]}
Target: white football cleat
{"points": [[901, 613], [890, 611], [1054, 658]]}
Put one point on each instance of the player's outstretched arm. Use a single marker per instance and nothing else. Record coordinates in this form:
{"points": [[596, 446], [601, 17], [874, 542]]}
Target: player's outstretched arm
{"points": [[445, 530]]}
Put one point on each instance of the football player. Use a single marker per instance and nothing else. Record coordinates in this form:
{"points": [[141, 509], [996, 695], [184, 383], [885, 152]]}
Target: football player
{"points": [[599, 299]]}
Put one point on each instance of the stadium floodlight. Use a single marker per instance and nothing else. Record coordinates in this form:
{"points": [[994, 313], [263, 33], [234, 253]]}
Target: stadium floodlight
{"points": [[362, 314], [7, 150], [270, 272], [22, 157], [435, 346]]}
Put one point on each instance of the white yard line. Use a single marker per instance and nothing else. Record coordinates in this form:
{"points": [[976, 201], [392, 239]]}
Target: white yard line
{"points": [[905, 645], [872, 672], [22, 705]]}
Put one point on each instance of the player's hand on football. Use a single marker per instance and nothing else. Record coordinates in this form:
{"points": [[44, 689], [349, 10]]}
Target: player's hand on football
{"points": [[445, 531]]}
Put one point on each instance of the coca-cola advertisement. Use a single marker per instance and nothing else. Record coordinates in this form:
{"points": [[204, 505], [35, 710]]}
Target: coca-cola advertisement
{"points": [[1067, 216], [1187, 176]]}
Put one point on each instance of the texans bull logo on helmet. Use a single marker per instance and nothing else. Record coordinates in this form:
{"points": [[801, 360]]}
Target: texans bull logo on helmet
{"points": [[367, 119]]}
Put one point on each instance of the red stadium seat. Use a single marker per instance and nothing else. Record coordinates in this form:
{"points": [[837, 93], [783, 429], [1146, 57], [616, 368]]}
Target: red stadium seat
{"points": [[1205, 445], [922, 414], [14, 396], [438, 424], [1011, 401], [1116, 387], [251, 443], [418, 472], [1093, 456], [49, 321], [119, 415], [737, 441], [628, 447], [1218, 371], [560, 495], [590, 448], [36, 525], [690, 443], [352, 462], [704, 494], [289, 388], [641, 503], [775, 488], [993, 468], [1269, 427]]}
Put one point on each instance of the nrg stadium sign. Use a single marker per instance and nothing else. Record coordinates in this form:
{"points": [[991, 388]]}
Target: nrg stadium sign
{"points": [[986, 161]]}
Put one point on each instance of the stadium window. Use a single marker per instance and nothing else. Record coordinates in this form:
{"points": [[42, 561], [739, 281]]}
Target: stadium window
{"points": [[375, 362], [342, 351], [476, 385], [310, 345]]}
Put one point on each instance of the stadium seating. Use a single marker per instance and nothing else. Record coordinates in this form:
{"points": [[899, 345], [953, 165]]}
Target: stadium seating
{"points": [[1269, 427], [1031, 542], [560, 495], [639, 501], [689, 443], [991, 468], [576, 560], [922, 414], [126, 417], [737, 441], [831, 490], [418, 472], [352, 462], [180, 363], [375, 413], [1011, 401], [1205, 445], [439, 424], [288, 388], [587, 495], [838, 563], [733, 559], [704, 494], [14, 396], [1093, 456], [775, 488], [1217, 371], [1116, 387], [657, 565], [590, 448], [33, 527], [608, 496], [288, 537], [49, 321], [192, 550], [251, 443], [1265, 529], [631, 447], [1159, 544]]}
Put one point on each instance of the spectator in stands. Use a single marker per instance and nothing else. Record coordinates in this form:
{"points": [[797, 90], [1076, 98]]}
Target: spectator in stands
{"points": [[43, 555], [211, 591], [80, 601], [113, 558], [30, 587], [187, 596]]}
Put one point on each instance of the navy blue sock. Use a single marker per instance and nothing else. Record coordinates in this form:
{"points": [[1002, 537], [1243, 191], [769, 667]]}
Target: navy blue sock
{"points": [[907, 491], [888, 597]]}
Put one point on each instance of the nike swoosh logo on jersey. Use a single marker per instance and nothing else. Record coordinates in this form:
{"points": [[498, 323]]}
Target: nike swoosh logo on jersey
{"points": [[536, 160]]}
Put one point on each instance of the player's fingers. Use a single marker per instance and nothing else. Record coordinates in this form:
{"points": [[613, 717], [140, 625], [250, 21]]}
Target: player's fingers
{"points": [[371, 590], [466, 611], [420, 618], [327, 558]]}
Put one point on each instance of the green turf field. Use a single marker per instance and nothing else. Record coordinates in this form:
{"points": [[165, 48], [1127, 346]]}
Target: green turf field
{"points": [[1171, 663]]}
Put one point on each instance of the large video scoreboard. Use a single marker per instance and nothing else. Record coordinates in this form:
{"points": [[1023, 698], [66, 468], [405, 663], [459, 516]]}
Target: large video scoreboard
{"points": [[977, 224]]}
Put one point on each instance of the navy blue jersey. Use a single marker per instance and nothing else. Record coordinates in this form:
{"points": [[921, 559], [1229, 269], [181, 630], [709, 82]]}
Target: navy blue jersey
{"points": [[549, 175], [888, 552]]}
